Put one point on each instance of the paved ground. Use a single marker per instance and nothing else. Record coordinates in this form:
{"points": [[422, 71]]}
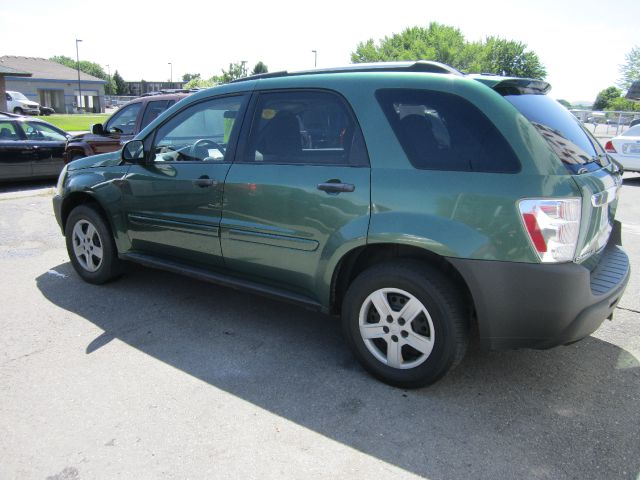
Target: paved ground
{"points": [[160, 376]]}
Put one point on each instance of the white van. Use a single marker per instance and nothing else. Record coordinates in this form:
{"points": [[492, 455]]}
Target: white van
{"points": [[18, 103]]}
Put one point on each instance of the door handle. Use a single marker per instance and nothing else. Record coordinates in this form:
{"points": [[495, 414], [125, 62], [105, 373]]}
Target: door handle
{"points": [[204, 182], [336, 187]]}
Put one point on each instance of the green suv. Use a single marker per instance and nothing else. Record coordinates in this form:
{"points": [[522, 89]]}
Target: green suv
{"points": [[412, 200]]}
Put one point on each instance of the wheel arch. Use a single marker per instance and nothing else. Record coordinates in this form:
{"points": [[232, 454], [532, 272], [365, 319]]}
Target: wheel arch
{"points": [[75, 199], [359, 259]]}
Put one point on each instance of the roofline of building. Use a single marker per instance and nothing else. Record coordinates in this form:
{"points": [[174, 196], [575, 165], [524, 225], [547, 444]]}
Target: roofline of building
{"points": [[54, 80]]}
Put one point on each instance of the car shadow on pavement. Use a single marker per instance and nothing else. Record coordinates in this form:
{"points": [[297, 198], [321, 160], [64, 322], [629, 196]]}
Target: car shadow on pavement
{"points": [[632, 181], [568, 412]]}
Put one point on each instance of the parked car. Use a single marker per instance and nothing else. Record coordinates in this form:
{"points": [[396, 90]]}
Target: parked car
{"points": [[120, 127], [20, 105], [625, 149], [46, 110], [410, 199], [29, 148], [634, 122]]}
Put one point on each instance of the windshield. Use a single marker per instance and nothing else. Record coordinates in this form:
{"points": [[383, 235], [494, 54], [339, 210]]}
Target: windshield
{"points": [[562, 131], [17, 96]]}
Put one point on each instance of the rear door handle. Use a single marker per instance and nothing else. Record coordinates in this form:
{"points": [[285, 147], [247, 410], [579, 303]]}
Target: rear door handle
{"points": [[336, 187], [204, 182]]}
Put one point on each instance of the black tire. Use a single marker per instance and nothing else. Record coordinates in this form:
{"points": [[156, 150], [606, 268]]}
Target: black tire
{"points": [[446, 310], [18, 111], [86, 263]]}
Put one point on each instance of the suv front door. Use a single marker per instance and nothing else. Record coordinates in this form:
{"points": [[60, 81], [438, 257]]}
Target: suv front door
{"points": [[173, 203], [298, 191]]}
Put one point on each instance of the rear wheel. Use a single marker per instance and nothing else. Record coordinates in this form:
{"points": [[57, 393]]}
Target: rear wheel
{"points": [[91, 246], [406, 323]]}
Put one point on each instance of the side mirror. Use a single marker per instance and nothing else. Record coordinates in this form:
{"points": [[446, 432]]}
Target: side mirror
{"points": [[97, 129], [133, 152]]}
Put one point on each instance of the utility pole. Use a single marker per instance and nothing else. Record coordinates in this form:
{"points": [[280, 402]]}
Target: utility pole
{"points": [[79, 86], [171, 75], [315, 57]]}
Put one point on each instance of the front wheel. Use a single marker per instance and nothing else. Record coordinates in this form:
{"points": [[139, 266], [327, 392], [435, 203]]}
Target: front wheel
{"points": [[18, 111], [406, 323], [91, 246]]}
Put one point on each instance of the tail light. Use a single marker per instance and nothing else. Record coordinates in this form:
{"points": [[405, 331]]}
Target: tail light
{"points": [[609, 148], [553, 226]]}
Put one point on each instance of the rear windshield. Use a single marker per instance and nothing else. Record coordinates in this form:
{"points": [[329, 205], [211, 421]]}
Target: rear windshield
{"points": [[573, 144], [632, 132]]}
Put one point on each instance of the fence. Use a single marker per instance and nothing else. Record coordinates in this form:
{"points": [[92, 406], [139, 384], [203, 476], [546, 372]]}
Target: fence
{"points": [[604, 123], [116, 100]]}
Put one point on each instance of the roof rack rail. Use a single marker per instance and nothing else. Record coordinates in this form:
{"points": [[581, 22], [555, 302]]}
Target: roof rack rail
{"points": [[417, 66]]}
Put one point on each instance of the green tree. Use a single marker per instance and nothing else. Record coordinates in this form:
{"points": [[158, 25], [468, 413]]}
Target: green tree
{"points": [[121, 87], [236, 71], [436, 42], [621, 104], [110, 87], [90, 68], [446, 44], [187, 77], [202, 83], [630, 70], [605, 96], [259, 68], [564, 103], [508, 57]]}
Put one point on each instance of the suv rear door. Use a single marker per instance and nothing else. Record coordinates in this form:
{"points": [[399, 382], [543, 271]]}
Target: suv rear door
{"points": [[298, 190]]}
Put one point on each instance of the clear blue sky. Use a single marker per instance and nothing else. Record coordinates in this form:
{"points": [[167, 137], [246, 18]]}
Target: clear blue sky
{"points": [[581, 43]]}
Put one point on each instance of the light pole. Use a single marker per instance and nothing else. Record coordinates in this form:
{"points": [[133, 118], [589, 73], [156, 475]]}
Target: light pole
{"points": [[109, 77], [79, 86], [170, 74], [244, 69], [315, 57]]}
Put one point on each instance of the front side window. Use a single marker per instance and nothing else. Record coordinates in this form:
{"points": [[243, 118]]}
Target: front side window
{"points": [[304, 127], [442, 131], [40, 131], [124, 121], [199, 133], [8, 132]]}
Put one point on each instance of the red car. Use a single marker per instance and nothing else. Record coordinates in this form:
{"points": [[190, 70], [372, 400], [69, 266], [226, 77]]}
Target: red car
{"points": [[121, 127]]}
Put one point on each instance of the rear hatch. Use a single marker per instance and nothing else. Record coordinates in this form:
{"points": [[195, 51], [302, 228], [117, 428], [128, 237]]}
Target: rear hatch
{"points": [[586, 161]]}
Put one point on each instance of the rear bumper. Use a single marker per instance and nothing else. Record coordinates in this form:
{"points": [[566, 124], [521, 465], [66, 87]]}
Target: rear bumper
{"points": [[629, 163], [522, 305]]}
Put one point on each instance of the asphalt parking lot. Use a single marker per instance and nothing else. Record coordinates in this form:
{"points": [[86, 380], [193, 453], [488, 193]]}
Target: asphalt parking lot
{"points": [[161, 376]]}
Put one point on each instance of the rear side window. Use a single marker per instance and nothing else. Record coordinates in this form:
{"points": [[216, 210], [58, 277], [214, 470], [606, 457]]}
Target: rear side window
{"points": [[153, 110], [442, 131], [304, 127], [8, 131]]}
